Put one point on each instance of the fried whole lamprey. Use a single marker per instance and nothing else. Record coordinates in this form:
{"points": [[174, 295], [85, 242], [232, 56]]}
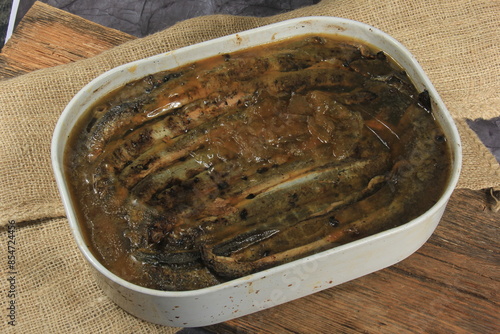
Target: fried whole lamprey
{"points": [[241, 162]]}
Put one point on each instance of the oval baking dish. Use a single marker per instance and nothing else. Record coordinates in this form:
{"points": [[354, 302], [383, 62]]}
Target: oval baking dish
{"points": [[288, 281]]}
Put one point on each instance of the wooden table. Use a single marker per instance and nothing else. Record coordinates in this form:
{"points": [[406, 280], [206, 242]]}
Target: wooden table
{"points": [[450, 285]]}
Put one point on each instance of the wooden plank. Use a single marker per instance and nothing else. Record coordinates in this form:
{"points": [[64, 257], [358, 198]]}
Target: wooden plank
{"points": [[450, 285], [48, 37]]}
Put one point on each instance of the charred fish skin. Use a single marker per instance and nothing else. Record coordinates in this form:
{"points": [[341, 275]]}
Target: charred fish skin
{"points": [[238, 163], [116, 120], [113, 117], [411, 173], [261, 180]]}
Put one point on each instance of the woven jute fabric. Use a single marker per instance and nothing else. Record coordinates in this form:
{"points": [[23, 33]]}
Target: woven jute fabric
{"points": [[456, 42]]}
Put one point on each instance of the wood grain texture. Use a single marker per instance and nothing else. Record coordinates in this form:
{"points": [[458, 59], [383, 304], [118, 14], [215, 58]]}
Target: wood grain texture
{"points": [[48, 37], [450, 285]]}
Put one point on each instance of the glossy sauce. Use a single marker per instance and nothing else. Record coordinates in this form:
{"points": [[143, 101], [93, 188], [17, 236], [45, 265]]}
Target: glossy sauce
{"points": [[240, 162]]}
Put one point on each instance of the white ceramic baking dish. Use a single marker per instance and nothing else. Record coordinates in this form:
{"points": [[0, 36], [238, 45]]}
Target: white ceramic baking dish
{"points": [[286, 282]]}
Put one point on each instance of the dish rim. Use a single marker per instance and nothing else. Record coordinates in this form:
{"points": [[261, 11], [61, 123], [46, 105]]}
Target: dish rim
{"points": [[57, 157]]}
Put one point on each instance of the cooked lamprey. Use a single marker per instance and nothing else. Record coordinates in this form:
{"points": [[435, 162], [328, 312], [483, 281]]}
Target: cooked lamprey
{"points": [[241, 162]]}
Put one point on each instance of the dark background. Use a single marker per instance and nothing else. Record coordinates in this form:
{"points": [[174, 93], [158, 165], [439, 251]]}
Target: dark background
{"points": [[143, 17]]}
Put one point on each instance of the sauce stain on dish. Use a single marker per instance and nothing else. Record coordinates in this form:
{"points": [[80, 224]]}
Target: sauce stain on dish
{"points": [[132, 69]]}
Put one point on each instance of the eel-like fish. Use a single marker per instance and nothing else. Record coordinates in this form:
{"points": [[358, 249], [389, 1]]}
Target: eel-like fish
{"points": [[245, 161]]}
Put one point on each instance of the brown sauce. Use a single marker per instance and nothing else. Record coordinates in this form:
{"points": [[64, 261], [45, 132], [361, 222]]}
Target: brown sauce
{"points": [[241, 162]]}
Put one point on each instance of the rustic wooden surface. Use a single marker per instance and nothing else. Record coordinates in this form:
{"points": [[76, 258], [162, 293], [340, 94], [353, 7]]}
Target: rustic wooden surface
{"points": [[450, 285], [48, 37]]}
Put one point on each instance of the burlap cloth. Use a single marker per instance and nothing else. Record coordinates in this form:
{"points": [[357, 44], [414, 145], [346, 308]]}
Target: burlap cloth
{"points": [[456, 42]]}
